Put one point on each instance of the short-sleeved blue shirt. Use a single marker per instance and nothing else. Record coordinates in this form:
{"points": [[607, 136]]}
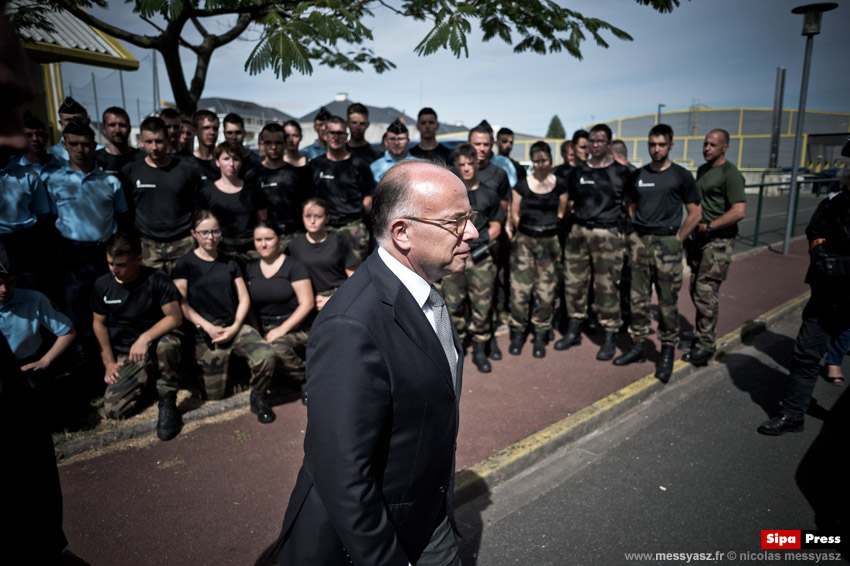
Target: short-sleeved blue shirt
{"points": [[42, 170], [23, 314], [86, 203], [381, 165], [22, 197]]}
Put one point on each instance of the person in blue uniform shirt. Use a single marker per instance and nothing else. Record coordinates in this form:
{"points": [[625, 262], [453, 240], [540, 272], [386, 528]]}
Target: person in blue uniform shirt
{"points": [[398, 140], [36, 157], [69, 110], [23, 201], [87, 202], [320, 146]]}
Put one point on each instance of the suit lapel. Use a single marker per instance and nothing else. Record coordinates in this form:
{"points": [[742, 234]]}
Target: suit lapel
{"points": [[410, 317]]}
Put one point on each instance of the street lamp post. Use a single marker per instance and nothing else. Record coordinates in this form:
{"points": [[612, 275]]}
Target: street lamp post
{"points": [[658, 116], [812, 14]]}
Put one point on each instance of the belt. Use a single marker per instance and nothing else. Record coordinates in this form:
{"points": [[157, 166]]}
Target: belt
{"points": [[662, 231], [538, 231], [76, 244], [592, 224]]}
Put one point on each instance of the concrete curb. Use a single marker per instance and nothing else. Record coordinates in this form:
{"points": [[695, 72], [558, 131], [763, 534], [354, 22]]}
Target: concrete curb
{"points": [[482, 477]]}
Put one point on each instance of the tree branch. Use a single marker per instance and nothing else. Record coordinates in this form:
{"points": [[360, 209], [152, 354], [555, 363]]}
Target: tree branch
{"points": [[204, 33], [145, 41], [241, 25]]}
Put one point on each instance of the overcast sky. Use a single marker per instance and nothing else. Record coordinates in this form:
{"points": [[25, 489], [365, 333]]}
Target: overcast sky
{"points": [[718, 53]]}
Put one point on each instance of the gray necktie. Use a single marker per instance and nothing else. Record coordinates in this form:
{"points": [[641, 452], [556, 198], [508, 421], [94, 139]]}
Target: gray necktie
{"points": [[444, 330]]}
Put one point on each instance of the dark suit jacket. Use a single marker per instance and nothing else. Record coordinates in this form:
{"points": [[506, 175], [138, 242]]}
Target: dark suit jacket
{"points": [[382, 423]]}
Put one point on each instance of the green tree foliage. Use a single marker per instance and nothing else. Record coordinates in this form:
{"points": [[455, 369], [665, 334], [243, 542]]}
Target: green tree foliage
{"points": [[556, 129], [296, 34]]}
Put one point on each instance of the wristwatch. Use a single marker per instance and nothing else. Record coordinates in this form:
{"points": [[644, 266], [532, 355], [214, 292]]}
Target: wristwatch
{"points": [[709, 227]]}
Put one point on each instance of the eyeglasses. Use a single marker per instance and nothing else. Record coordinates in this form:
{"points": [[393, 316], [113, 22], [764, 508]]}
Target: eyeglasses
{"points": [[208, 233], [459, 223]]}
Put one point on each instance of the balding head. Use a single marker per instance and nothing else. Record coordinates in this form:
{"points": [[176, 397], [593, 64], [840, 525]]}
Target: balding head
{"points": [[429, 245]]}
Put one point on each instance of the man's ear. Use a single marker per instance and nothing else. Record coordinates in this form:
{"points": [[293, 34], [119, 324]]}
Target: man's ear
{"points": [[400, 233]]}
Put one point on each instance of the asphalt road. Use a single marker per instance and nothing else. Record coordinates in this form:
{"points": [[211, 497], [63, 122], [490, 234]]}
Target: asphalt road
{"points": [[684, 472], [773, 217]]}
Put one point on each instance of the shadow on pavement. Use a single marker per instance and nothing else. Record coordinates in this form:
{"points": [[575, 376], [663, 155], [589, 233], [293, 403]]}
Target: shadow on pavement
{"points": [[470, 522]]}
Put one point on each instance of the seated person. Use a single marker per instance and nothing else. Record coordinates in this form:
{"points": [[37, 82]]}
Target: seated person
{"points": [[136, 309], [22, 315], [328, 259], [283, 299], [216, 301]]}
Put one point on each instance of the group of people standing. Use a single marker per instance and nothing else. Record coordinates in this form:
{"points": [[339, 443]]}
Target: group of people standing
{"points": [[249, 246]]}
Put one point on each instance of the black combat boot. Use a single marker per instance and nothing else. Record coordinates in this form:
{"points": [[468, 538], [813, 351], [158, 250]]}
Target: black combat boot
{"points": [[493, 349], [517, 340], [479, 357], [539, 344], [260, 407], [572, 337], [168, 421], [664, 368], [636, 354], [609, 346]]}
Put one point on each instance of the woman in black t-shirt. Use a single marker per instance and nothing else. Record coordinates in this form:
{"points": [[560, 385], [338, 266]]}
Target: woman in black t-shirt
{"points": [[539, 202], [216, 301], [282, 297], [328, 259], [238, 205]]}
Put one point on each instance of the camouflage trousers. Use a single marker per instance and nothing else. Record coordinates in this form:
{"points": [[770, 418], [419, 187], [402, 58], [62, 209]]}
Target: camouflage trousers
{"points": [[471, 291], [709, 262], [291, 350], [597, 252], [534, 278], [214, 360], [655, 260], [123, 398], [356, 236], [164, 255]]}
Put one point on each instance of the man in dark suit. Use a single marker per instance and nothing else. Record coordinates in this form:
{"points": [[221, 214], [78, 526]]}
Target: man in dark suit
{"points": [[384, 371]]}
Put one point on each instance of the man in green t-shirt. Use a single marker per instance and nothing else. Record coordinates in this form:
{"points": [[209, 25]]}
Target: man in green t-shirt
{"points": [[724, 204]]}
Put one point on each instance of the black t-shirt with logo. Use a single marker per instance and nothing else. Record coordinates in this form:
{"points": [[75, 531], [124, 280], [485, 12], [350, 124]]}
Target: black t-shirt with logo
{"points": [[440, 154], [275, 296], [597, 194], [132, 308], [343, 185], [236, 212], [210, 288], [659, 196], [163, 197], [113, 164], [206, 169], [325, 261], [285, 188]]}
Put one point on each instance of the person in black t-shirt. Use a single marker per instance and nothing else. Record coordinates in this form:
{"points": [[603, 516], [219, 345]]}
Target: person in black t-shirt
{"points": [[237, 204], [472, 288], [136, 309], [205, 125], [595, 244], [346, 183], [282, 297], [116, 129], [284, 185], [234, 131], [163, 192], [654, 199], [292, 139], [328, 259], [358, 123], [216, 301], [538, 204], [428, 147]]}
